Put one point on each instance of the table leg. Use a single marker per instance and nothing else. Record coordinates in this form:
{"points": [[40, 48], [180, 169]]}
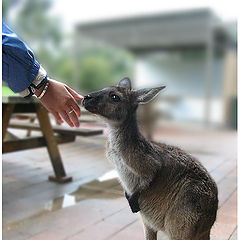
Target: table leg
{"points": [[32, 119], [7, 112], [44, 121]]}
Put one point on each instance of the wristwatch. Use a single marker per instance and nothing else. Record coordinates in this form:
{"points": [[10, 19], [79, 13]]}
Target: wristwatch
{"points": [[39, 80]]}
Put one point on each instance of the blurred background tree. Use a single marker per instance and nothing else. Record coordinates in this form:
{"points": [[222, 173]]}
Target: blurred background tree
{"points": [[96, 66], [101, 66]]}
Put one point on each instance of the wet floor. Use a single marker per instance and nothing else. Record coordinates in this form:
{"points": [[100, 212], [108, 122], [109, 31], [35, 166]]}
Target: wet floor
{"points": [[93, 206], [105, 186]]}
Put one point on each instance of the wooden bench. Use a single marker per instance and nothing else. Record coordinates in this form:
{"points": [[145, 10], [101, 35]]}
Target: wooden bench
{"points": [[85, 132], [50, 137]]}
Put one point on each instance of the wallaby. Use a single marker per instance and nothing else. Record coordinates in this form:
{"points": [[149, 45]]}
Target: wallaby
{"points": [[172, 190]]}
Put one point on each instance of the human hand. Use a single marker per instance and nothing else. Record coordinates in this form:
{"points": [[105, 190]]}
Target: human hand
{"points": [[60, 100]]}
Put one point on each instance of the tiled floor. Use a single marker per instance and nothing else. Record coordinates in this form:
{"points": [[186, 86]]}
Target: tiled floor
{"points": [[93, 205]]}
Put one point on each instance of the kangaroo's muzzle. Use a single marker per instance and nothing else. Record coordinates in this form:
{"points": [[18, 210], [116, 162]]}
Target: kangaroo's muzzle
{"points": [[90, 103]]}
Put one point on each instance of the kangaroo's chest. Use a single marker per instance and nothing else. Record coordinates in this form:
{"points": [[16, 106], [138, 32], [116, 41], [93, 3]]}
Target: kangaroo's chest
{"points": [[128, 179]]}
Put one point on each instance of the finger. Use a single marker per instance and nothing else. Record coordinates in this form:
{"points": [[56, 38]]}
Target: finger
{"points": [[58, 117], [74, 93], [72, 115], [73, 104], [66, 118]]}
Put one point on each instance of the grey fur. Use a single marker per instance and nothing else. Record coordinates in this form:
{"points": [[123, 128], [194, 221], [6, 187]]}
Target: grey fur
{"points": [[182, 199]]}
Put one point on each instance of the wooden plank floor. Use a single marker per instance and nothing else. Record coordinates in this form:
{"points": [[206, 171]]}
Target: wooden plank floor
{"points": [[93, 205]]}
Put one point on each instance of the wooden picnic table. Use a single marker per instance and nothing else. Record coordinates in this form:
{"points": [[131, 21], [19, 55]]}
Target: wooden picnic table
{"points": [[51, 135]]}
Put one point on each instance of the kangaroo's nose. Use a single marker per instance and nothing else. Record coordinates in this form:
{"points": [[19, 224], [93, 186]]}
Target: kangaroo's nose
{"points": [[87, 97]]}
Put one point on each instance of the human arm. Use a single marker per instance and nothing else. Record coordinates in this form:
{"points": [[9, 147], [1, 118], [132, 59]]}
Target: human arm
{"points": [[25, 76]]}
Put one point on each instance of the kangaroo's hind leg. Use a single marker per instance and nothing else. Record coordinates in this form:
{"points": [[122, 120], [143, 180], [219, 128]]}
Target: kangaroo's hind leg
{"points": [[149, 233]]}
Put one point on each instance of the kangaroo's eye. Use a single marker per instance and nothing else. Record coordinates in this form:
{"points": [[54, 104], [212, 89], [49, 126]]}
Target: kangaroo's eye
{"points": [[115, 97]]}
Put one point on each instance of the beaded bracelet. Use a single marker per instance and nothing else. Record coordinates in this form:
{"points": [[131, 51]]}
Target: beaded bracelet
{"points": [[44, 91]]}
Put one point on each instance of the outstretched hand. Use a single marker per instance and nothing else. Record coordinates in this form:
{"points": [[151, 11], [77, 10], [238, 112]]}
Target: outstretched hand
{"points": [[60, 100]]}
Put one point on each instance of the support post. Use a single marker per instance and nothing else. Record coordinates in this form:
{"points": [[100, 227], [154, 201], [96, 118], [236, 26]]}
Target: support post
{"points": [[44, 121], [209, 75]]}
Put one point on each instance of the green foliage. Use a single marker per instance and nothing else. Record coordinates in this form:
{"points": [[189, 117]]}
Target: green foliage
{"points": [[87, 66], [95, 73], [3, 8], [37, 26], [101, 66], [6, 91], [66, 70]]}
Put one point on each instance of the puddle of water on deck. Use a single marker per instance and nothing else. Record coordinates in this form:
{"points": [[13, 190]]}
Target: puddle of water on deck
{"points": [[88, 190], [104, 187], [102, 184]]}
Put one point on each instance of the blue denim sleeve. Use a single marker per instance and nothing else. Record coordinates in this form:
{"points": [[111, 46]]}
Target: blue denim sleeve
{"points": [[19, 67]]}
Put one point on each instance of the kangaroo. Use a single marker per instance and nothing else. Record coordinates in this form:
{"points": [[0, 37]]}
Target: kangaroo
{"points": [[172, 191]]}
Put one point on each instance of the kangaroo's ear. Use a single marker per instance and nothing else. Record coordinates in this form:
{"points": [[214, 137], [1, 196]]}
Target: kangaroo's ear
{"points": [[125, 83], [145, 95]]}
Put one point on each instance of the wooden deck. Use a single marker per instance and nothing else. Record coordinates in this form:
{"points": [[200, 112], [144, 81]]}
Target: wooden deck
{"points": [[93, 205]]}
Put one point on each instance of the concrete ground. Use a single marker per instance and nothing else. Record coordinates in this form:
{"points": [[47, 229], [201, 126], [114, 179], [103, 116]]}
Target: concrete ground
{"points": [[93, 205]]}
